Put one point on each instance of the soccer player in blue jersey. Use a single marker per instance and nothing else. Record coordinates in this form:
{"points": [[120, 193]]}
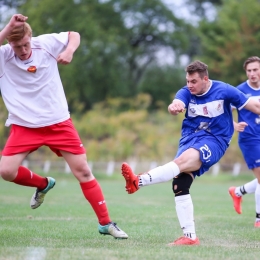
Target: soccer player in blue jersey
{"points": [[248, 127], [206, 133]]}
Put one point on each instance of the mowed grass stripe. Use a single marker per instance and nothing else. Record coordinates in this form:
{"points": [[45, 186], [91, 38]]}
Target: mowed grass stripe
{"points": [[65, 227]]}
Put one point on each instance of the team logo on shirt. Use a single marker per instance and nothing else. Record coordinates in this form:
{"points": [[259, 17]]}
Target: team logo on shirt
{"points": [[205, 111], [32, 69], [193, 110], [219, 106]]}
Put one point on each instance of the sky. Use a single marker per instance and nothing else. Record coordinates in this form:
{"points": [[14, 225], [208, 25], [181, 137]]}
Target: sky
{"points": [[166, 55], [178, 7]]}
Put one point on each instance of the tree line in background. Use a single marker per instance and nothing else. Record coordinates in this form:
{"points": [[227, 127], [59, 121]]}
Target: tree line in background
{"points": [[119, 84]]}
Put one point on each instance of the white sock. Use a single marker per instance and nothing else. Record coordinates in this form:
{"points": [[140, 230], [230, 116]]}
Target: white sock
{"points": [[159, 174], [184, 209], [249, 187], [257, 201]]}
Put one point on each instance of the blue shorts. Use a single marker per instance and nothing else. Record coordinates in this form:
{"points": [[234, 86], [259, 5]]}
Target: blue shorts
{"points": [[211, 150], [251, 152]]}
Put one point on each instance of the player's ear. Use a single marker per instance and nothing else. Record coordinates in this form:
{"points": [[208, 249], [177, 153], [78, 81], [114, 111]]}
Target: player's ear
{"points": [[206, 78]]}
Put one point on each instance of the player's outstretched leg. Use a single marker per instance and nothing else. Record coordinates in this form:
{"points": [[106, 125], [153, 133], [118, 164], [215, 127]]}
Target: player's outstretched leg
{"points": [[131, 179], [236, 200], [113, 230], [185, 241], [38, 197]]}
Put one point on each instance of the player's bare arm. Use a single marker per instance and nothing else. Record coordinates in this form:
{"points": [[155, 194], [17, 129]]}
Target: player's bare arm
{"points": [[66, 56], [176, 107], [15, 21], [253, 106]]}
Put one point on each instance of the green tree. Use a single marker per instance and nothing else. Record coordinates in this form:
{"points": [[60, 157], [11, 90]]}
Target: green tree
{"points": [[5, 6], [162, 83], [151, 26], [230, 39]]}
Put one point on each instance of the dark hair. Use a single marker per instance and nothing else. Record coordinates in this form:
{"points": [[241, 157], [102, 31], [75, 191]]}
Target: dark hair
{"points": [[250, 60], [199, 67], [18, 33]]}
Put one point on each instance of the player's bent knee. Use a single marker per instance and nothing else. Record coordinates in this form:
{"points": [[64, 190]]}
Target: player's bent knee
{"points": [[181, 184], [7, 176], [8, 172]]}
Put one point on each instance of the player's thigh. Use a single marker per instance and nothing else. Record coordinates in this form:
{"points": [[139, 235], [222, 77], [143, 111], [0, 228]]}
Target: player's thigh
{"points": [[189, 160]]}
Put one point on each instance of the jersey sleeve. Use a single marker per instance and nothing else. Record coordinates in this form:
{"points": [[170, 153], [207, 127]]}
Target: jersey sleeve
{"points": [[183, 95], [54, 43], [237, 98]]}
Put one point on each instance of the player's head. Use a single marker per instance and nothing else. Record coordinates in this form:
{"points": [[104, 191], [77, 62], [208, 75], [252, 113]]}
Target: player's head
{"points": [[197, 77], [20, 41], [252, 68]]}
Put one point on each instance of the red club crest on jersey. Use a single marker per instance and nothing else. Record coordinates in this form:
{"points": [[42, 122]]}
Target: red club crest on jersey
{"points": [[32, 69]]}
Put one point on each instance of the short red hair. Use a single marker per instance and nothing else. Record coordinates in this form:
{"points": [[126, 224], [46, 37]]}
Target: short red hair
{"points": [[19, 32]]}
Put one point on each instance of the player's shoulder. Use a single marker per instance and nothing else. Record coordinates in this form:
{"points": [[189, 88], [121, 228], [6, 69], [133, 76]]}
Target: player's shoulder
{"points": [[185, 90], [219, 83], [221, 86], [40, 40], [47, 38], [242, 85], [7, 51]]}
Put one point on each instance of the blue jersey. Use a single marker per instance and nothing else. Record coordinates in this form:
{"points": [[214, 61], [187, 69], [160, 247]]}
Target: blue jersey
{"points": [[252, 131], [211, 111]]}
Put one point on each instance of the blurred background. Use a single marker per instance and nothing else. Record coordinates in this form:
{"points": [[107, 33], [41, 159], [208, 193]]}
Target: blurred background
{"points": [[129, 66]]}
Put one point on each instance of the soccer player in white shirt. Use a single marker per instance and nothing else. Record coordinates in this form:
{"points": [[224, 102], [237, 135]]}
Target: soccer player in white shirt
{"points": [[248, 126], [38, 113], [206, 133]]}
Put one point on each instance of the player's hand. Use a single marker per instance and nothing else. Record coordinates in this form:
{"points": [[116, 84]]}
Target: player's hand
{"points": [[240, 127], [176, 107], [17, 20], [65, 57]]}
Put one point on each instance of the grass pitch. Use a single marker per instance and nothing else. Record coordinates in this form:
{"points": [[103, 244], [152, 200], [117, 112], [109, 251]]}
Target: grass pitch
{"points": [[65, 227]]}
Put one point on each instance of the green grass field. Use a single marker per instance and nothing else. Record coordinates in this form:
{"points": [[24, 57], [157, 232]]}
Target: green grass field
{"points": [[65, 227]]}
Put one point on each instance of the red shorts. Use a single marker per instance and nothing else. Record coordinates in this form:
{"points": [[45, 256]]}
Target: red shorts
{"points": [[62, 136]]}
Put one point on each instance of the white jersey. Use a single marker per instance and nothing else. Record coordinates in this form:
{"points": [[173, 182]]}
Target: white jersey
{"points": [[31, 89]]}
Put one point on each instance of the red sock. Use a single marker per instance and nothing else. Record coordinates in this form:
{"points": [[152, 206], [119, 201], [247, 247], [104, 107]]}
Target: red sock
{"points": [[25, 177], [93, 193]]}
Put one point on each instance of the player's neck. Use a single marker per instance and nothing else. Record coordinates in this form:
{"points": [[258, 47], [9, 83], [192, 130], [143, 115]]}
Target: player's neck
{"points": [[255, 85], [208, 85]]}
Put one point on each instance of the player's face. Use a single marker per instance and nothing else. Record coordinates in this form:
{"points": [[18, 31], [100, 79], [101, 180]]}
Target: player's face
{"points": [[22, 48], [253, 73], [196, 84]]}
